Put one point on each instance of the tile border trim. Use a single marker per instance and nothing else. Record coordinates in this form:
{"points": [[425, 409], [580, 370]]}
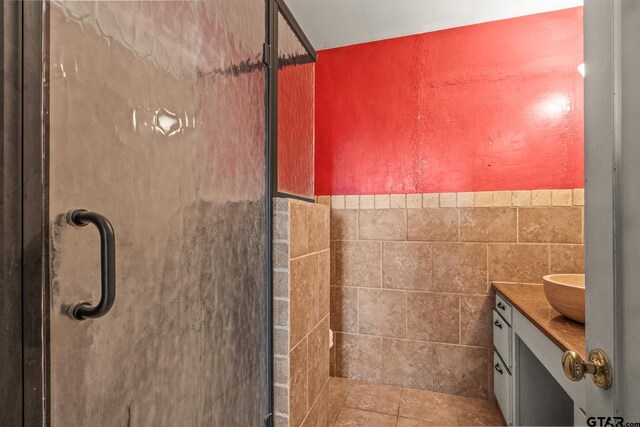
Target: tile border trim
{"points": [[484, 199]]}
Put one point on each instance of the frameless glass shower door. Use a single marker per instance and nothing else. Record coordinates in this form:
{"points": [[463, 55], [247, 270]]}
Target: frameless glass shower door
{"points": [[157, 128]]}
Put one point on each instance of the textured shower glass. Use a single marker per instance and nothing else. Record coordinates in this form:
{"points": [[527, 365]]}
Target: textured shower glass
{"points": [[296, 90], [157, 121]]}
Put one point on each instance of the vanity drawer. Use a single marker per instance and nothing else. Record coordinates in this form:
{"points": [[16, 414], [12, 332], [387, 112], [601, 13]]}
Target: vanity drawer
{"points": [[502, 338], [503, 307], [502, 387]]}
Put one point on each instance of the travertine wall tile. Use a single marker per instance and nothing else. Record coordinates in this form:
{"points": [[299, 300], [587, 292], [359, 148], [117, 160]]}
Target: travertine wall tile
{"points": [[521, 198], [502, 198], [382, 312], [318, 359], [359, 357], [384, 224], [407, 265], [281, 255], [367, 202], [281, 399], [461, 370], [488, 225], [281, 206], [431, 285], [432, 224], [344, 224], [324, 200], [566, 259], [578, 196], [414, 201], [333, 251], [381, 201], [299, 229], [324, 283], [304, 296], [299, 385], [281, 372], [281, 313], [476, 320], [281, 226], [541, 197], [332, 360], [344, 309], [464, 200], [281, 284], [359, 264], [483, 199], [431, 200], [337, 202], [318, 228], [524, 263], [550, 224], [352, 202], [407, 363], [280, 420], [460, 267], [448, 200], [561, 197], [398, 201], [281, 341], [433, 317], [302, 275]]}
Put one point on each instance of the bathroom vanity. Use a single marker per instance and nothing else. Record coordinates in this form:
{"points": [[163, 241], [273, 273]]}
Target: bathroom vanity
{"points": [[530, 337]]}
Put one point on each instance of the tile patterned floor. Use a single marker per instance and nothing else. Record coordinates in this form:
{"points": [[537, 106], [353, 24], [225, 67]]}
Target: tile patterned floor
{"points": [[355, 403]]}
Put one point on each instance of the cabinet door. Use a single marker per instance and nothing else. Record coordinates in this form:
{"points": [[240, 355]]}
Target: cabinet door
{"points": [[502, 339], [502, 387]]}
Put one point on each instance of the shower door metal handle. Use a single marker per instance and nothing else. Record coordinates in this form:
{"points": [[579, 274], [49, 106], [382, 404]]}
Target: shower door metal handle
{"points": [[84, 310]]}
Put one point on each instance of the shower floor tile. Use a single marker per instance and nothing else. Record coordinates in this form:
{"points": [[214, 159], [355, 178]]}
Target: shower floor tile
{"points": [[356, 403]]}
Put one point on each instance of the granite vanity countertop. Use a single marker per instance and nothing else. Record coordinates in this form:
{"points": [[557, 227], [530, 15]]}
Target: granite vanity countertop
{"points": [[531, 302]]}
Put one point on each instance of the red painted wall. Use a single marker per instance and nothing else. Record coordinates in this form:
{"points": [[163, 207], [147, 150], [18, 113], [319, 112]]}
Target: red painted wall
{"points": [[295, 129], [493, 106]]}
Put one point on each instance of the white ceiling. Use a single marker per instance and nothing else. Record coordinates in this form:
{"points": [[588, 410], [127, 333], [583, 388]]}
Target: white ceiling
{"points": [[333, 23]]}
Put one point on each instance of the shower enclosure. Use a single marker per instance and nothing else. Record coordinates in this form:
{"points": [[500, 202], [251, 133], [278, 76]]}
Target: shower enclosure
{"points": [[137, 172], [156, 121], [145, 209]]}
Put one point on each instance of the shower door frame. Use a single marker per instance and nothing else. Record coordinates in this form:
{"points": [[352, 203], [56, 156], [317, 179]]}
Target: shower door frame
{"points": [[271, 52], [32, 208], [26, 204]]}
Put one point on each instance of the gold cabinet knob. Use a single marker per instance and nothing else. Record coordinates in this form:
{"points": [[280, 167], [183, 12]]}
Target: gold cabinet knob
{"points": [[597, 366]]}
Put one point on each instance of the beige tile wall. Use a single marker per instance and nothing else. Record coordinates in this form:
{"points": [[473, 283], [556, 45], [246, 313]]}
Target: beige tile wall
{"points": [[301, 313], [410, 296]]}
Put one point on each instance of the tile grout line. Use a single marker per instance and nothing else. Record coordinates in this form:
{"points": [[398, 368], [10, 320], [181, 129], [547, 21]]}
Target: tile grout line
{"points": [[518, 225], [415, 340], [488, 285], [452, 242], [357, 311], [419, 291], [459, 320]]}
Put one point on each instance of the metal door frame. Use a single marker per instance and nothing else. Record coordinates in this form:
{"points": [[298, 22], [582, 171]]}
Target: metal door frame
{"points": [[271, 54], [24, 381]]}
